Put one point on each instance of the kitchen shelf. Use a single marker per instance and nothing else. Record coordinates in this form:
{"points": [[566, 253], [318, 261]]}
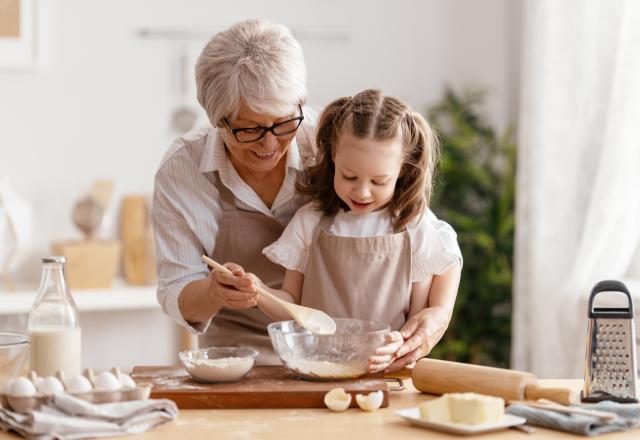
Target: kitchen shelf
{"points": [[119, 297]]}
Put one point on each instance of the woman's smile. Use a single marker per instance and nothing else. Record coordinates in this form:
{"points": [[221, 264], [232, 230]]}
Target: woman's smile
{"points": [[264, 156]]}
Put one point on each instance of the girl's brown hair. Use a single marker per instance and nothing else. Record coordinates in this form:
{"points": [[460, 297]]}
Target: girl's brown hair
{"points": [[372, 115]]}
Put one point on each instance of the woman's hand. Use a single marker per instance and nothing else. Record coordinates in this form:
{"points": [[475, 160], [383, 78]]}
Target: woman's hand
{"points": [[384, 355], [421, 333], [235, 291]]}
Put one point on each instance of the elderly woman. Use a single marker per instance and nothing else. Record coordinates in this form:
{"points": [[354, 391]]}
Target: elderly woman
{"points": [[229, 189]]}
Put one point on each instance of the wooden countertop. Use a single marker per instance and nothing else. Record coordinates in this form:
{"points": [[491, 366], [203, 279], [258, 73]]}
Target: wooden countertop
{"points": [[353, 424]]}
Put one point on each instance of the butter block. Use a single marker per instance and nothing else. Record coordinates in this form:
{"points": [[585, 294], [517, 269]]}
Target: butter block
{"points": [[475, 408], [470, 408], [436, 410]]}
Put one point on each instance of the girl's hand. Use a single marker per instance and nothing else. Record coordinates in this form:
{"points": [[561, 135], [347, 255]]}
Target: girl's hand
{"points": [[236, 291], [384, 355], [421, 333]]}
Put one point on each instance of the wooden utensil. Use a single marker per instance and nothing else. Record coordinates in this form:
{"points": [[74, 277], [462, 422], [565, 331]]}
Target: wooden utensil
{"points": [[439, 377], [266, 386], [138, 253], [316, 321]]}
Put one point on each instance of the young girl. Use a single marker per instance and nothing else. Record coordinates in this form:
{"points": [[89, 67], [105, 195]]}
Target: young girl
{"points": [[367, 246]]}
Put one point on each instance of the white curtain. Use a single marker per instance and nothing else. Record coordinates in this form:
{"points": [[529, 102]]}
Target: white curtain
{"points": [[578, 203]]}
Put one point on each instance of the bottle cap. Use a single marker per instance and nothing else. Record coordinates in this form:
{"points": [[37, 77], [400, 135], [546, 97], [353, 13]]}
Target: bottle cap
{"points": [[55, 259]]}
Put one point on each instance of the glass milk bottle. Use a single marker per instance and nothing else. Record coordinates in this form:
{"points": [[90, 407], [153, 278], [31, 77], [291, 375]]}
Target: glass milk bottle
{"points": [[53, 324]]}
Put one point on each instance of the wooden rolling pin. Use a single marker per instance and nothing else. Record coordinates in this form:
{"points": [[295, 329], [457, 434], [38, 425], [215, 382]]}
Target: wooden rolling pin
{"points": [[439, 377]]}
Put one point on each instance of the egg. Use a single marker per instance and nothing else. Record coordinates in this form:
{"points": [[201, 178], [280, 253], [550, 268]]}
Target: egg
{"points": [[79, 385], [6, 387], [50, 386], [371, 401], [337, 399], [23, 387], [126, 381], [106, 381]]}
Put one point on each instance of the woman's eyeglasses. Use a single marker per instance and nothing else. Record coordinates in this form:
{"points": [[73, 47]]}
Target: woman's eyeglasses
{"points": [[246, 135]]}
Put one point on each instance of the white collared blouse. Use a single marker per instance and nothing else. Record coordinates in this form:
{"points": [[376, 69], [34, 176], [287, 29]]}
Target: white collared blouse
{"points": [[187, 210], [434, 245]]}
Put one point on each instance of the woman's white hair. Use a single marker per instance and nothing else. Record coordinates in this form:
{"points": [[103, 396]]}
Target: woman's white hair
{"points": [[255, 63]]}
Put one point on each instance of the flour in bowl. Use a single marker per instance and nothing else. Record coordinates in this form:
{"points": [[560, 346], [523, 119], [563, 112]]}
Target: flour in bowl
{"points": [[328, 370], [225, 369]]}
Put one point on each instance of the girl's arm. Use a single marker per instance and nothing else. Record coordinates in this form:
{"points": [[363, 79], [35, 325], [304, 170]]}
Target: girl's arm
{"points": [[425, 328], [291, 291], [419, 296]]}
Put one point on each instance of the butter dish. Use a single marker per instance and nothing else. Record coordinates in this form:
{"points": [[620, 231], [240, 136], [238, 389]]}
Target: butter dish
{"points": [[412, 415]]}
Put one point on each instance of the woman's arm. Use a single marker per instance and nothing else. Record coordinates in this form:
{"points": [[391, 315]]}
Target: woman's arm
{"points": [[202, 299], [423, 330], [384, 355]]}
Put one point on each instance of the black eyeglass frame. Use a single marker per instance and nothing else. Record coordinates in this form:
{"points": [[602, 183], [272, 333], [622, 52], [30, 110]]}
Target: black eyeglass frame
{"points": [[265, 130]]}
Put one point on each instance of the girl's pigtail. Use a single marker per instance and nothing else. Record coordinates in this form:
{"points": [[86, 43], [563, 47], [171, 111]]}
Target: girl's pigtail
{"points": [[318, 181], [430, 151], [415, 183]]}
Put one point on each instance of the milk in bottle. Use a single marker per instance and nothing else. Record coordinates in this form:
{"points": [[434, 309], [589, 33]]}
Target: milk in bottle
{"points": [[53, 324]]}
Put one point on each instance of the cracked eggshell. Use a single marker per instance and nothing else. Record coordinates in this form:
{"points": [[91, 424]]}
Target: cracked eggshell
{"points": [[371, 401], [337, 399]]}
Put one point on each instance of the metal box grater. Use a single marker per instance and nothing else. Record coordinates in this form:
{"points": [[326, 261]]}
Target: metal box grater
{"points": [[610, 361]]}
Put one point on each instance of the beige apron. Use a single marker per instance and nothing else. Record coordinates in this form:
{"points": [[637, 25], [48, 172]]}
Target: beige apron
{"points": [[359, 277], [240, 239]]}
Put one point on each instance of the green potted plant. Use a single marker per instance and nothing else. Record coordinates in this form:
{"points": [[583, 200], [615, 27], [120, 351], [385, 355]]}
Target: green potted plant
{"points": [[475, 194]]}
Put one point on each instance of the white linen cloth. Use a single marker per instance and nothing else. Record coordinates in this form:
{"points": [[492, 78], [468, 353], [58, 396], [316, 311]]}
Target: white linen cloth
{"points": [[628, 418], [65, 417]]}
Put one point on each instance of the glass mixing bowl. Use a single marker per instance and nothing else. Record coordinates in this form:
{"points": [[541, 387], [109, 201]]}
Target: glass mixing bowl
{"points": [[218, 364], [14, 354], [342, 355]]}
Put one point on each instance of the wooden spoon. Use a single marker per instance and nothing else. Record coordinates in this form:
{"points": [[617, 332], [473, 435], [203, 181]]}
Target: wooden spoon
{"points": [[315, 321]]}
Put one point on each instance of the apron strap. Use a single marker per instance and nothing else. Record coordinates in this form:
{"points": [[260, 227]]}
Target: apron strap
{"points": [[226, 196], [326, 221]]}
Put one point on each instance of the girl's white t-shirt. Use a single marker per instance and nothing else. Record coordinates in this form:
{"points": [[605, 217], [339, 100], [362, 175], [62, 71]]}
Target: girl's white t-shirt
{"points": [[434, 246]]}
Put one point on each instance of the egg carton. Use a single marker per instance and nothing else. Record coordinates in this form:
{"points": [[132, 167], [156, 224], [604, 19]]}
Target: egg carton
{"points": [[25, 394]]}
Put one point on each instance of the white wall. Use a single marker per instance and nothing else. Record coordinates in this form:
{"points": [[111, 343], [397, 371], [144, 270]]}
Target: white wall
{"points": [[97, 101], [123, 339]]}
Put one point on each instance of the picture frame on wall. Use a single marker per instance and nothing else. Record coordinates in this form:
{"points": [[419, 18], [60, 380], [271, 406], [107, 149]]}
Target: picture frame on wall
{"points": [[16, 33]]}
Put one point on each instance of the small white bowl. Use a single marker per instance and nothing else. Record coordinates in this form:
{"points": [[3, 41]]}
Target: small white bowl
{"points": [[218, 364]]}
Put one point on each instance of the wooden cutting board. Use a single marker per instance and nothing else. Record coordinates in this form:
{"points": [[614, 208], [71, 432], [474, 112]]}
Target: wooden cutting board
{"points": [[263, 387]]}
